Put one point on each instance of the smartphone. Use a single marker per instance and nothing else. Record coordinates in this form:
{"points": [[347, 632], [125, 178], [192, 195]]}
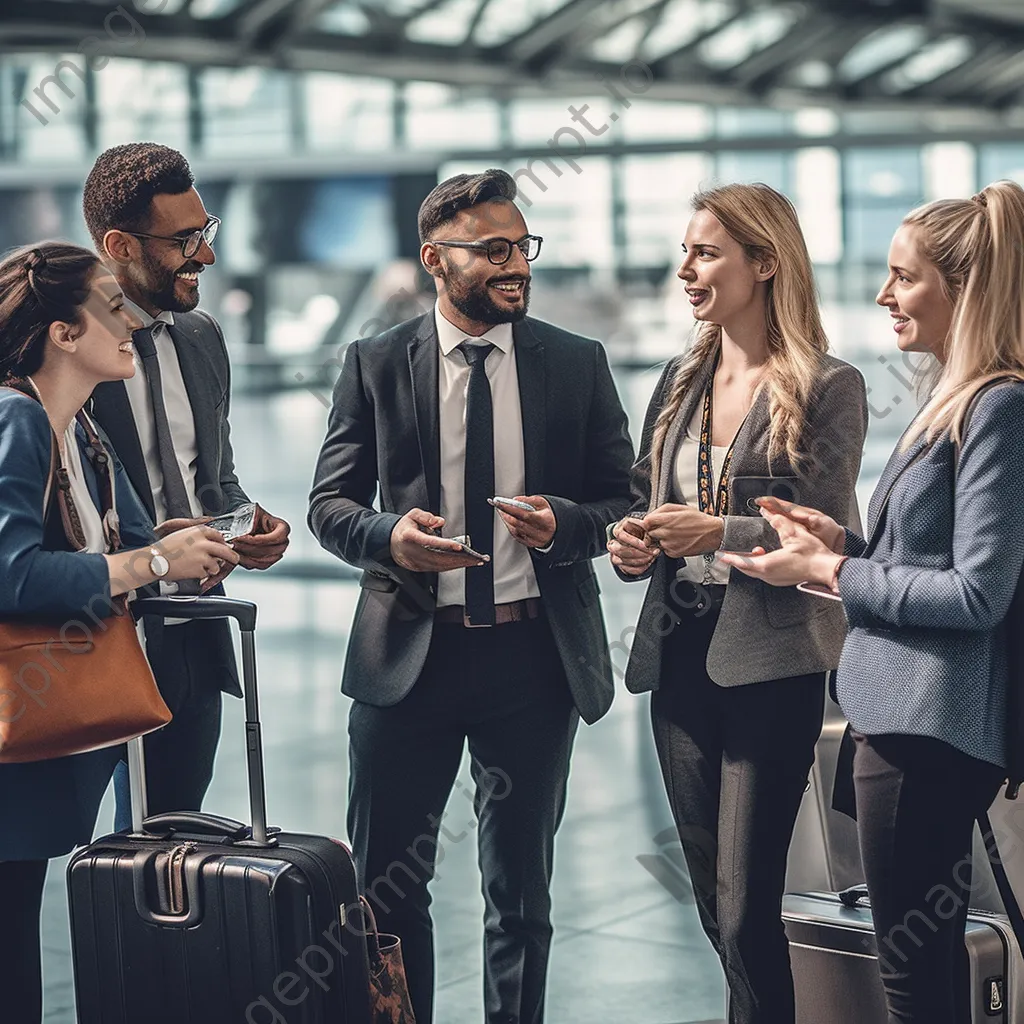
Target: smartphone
{"points": [[524, 505], [238, 524], [464, 542], [818, 591]]}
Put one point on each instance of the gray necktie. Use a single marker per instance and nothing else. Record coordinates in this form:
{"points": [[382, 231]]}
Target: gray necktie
{"points": [[175, 495]]}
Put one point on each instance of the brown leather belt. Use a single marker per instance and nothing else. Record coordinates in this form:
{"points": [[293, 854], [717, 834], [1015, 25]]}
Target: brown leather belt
{"points": [[514, 611]]}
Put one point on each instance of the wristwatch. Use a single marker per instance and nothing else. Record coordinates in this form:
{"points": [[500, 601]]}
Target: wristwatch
{"points": [[158, 564]]}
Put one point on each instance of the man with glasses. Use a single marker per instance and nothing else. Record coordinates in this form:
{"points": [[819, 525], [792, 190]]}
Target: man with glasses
{"points": [[169, 426], [500, 642]]}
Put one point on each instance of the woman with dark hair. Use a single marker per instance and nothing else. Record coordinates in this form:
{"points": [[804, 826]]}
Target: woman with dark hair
{"points": [[63, 330]]}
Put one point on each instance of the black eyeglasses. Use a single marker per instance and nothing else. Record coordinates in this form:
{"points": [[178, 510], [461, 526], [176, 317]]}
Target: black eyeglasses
{"points": [[190, 243], [499, 250]]}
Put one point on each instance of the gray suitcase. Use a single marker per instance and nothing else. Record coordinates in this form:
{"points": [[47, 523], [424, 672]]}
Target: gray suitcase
{"points": [[835, 963]]}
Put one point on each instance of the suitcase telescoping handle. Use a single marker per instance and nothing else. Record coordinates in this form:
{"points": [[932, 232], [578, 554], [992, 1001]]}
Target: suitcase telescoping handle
{"points": [[244, 612]]}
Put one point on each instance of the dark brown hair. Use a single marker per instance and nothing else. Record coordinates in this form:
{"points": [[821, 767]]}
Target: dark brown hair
{"points": [[462, 192], [39, 285]]}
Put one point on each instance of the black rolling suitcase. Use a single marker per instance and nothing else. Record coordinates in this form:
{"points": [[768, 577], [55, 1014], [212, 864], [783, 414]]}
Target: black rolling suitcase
{"points": [[834, 954], [201, 919]]}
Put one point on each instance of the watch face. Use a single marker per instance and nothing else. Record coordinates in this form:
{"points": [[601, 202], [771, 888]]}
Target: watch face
{"points": [[159, 566]]}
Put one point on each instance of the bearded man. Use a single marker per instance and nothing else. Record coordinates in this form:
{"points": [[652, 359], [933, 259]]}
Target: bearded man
{"points": [[497, 642]]}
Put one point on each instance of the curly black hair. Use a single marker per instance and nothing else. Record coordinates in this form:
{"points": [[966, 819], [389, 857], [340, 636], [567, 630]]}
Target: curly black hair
{"points": [[123, 182], [461, 192]]}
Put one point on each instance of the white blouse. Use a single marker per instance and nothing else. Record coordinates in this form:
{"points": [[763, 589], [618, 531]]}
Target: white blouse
{"points": [[684, 491], [92, 524]]}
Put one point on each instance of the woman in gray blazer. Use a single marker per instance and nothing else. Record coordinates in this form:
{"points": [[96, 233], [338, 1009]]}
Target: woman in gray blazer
{"points": [[923, 676], [737, 668]]}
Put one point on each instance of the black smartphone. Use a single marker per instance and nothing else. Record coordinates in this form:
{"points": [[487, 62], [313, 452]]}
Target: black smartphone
{"points": [[745, 490]]}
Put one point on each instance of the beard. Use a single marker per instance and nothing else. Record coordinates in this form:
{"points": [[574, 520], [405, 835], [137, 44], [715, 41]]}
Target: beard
{"points": [[158, 283], [475, 303]]}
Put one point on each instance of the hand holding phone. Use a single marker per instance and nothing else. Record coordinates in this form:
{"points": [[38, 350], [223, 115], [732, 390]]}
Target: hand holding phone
{"points": [[525, 506]]}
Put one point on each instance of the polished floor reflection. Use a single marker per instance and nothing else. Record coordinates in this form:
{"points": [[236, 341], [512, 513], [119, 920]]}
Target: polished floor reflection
{"points": [[628, 947]]}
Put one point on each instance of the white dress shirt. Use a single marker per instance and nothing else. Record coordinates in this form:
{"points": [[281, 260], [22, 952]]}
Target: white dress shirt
{"points": [[514, 578], [684, 487], [179, 413]]}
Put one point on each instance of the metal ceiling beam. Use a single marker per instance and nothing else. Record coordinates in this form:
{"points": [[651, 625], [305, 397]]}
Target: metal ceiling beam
{"points": [[547, 32]]}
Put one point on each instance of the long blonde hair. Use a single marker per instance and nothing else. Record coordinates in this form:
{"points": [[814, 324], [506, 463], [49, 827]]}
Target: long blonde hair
{"points": [[978, 247], [765, 223]]}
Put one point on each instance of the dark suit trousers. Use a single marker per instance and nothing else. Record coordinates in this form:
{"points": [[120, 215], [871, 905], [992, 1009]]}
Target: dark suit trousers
{"points": [[21, 975], [180, 756], [735, 762], [917, 799], [504, 690]]}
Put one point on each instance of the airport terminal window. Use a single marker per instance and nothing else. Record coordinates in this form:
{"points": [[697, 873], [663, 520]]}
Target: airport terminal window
{"points": [[773, 168], [436, 116], [1002, 160], [656, 191], [646, 120], [537, 121], [881, 184], [250, 104], [141, 100], [817, 195], [53, 132], [950, 170], [345, 113]]}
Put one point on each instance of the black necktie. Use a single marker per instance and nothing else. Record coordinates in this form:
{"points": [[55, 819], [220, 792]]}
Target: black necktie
{"points": [[479, 484], [175, 496]]}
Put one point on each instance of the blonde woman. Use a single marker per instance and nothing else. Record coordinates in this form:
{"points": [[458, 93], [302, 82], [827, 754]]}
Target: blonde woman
{"points": [[923, 676], [738, 668]]}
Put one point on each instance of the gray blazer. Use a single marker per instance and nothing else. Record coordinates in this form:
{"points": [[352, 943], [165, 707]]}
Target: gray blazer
{"points": [[927, 593], [763, 632]]}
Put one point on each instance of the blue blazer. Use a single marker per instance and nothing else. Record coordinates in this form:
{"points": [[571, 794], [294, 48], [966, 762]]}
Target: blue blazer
{"points": [[926, 595], [48, 807]]}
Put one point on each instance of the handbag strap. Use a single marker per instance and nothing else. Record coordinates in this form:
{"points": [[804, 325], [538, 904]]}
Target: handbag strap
{"points": [[1006, 893], [58, 482], [372, 936]]}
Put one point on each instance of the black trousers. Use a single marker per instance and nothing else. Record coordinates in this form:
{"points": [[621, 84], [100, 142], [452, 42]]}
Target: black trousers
{"points": [[21, 972], [504, 690], [180, 756], [917, 799], [735, 762]]}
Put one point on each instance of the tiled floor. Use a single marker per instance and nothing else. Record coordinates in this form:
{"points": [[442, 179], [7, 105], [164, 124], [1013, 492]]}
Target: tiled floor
{"points": [[628, 949]]}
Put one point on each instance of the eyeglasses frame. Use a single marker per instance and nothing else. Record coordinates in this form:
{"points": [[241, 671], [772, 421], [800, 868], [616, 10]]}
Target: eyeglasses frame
{"points": [[484, 247], [183, 241]]}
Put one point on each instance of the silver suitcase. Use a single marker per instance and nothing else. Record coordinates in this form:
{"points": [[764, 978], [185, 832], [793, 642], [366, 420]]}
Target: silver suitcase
{"points": [[835, 964]]}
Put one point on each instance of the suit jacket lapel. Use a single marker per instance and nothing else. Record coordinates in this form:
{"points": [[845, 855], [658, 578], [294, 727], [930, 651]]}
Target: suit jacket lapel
{"points": [[676, 431], [424, 355], [532, 373], [899, 462], [198, 379], [113, 411]]}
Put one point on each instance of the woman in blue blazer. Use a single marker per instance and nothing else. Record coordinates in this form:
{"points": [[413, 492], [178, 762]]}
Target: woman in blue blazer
{"points": [[923, 675], [63, 329]]}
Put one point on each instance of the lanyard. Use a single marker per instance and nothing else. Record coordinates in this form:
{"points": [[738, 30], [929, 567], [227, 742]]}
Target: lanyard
{"points": [[713, 501]]}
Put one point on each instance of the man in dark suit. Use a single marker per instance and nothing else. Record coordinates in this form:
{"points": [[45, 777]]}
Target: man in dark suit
{"points": [[169, 425], [502, 647]]}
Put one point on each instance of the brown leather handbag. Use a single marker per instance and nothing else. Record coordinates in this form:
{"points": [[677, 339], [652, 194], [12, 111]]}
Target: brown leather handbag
{"points": [[67, 687], [389, 989]]}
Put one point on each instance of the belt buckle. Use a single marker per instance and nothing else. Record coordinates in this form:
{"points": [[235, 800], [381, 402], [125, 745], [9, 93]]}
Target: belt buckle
{"points": [[474, 625]]}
